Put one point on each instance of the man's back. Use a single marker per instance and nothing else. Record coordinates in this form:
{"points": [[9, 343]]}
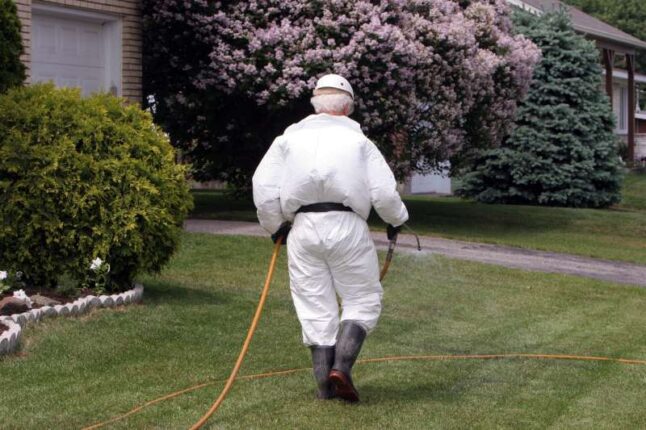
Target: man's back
{"points": [[326, 161], [324, 158]]}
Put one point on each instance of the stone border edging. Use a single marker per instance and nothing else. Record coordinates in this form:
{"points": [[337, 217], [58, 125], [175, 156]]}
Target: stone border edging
{"points": [[10, 339]]}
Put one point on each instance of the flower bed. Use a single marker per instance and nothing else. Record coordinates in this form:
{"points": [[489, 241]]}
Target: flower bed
{"points": [[10, 337]]}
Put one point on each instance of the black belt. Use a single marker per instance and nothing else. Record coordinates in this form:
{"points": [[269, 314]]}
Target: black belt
{"points": [[324, 207]]}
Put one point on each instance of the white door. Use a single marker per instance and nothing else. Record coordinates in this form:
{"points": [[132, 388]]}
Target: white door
{"points": [[68, 51]]}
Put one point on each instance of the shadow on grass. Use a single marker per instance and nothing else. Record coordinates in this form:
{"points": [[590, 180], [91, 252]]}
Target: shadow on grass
{"points": [[172, 293], [451, 214]]}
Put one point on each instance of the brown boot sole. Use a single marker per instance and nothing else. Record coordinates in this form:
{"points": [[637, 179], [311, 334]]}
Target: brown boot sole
{"points": [[344, 387]]}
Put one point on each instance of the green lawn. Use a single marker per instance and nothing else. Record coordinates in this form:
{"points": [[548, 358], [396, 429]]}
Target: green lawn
{"points": [[634, 193], [74, 372], [617, 234]]}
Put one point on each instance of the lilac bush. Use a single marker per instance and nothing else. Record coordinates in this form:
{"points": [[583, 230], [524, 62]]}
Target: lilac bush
{"points": [[433, 79]]}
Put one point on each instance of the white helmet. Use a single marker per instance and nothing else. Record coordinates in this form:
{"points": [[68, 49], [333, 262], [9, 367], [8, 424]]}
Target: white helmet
{"points": [[335, 81]]}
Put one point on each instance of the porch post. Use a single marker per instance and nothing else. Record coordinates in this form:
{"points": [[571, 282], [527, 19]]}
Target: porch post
{"points": [[608, 62], [630, 63]]}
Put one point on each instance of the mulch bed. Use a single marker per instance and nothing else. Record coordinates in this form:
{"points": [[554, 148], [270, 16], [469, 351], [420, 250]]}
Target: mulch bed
{"points": [[51, 294]]}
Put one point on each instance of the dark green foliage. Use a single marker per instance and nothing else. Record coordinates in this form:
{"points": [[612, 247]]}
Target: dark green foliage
{"points": [[82, 178], [562, 151], [627, 15], [12, 71]]}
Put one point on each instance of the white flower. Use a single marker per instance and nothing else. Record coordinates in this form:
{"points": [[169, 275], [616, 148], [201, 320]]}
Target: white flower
{"points": [[96, 264], [3, 275], [20, 294]]}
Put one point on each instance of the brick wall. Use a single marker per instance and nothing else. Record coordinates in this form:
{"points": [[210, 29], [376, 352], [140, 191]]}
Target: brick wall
{"points": [[130, 13]]}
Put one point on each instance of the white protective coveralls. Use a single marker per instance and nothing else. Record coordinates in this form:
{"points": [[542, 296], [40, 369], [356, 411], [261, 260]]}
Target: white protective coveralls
{"points": [[327, 158]]}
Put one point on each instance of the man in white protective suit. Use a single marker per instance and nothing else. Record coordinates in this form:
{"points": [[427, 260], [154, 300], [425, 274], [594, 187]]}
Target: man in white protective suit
{"points": [[315, 186]]}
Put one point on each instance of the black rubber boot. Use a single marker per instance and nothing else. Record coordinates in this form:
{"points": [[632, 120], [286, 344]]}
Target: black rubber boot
{"points": [[348, 346], [322, 359]]}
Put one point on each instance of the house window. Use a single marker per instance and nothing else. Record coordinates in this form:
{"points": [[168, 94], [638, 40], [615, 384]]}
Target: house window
{"points": [[622, 117]]}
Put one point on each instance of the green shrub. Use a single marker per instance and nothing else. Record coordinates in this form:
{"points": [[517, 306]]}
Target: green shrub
{"points": [[12, 71], [563, 151], [85, 178]]}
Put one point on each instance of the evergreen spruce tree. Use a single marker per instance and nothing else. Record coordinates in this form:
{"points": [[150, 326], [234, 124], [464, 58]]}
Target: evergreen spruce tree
{"points": [[12, 71], [563, 151]]}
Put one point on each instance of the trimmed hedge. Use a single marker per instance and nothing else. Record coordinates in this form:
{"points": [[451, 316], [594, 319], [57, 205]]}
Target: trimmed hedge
{"points": [[12, 71], [82, 178]]}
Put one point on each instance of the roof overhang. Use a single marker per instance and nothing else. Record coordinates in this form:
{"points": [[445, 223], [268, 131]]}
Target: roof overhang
{"points": [[613, 35], [632, 42]]}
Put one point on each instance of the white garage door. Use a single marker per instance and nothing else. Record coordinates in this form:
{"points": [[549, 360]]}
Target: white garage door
{"points": [[69, 52]]}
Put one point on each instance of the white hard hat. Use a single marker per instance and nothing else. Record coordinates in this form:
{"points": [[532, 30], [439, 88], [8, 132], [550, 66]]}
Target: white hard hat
{"points": [[335, 81]]}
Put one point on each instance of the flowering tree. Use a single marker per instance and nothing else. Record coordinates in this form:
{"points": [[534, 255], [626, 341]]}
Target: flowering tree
{"points": [[433, 78]]}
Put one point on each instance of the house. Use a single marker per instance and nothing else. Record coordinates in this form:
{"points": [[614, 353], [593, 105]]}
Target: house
{"points": [[621, 81], [624, 86], [91, 44]]}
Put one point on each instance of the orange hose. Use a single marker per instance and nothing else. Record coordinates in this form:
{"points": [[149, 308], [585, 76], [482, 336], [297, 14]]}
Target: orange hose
{"points": [[377, 360], [502, 356], [245, 346], [389, 258], [384, 270]]}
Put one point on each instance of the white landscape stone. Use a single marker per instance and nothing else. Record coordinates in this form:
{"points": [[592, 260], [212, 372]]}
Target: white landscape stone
{"points": [[48, 311], [20, 319], [62, 310], [73, 308], [138, 292], [14, 337], [82, 305], [107, 301], [4, 344], [94, 301], [36, 314], [11, 342], [127, 297]]}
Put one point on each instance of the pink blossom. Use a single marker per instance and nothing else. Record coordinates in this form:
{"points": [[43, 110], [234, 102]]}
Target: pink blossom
{"points": [[431, 77]]}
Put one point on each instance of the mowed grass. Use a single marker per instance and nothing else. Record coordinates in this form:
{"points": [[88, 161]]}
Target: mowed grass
{"points": [[634, 192], [618, 233], [75, 372]]}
